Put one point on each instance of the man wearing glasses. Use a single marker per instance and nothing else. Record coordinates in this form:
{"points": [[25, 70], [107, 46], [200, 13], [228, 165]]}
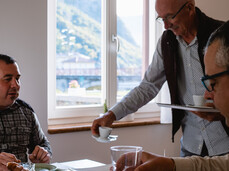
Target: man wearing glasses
{"points": [[178, 59], [216, 82]]}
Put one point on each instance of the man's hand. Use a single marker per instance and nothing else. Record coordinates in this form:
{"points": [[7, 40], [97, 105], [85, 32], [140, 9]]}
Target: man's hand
{"points": [[156, 163], [13, 166], [106, 120], [127, 160], [210, 116], [5, 158], [40, 155]]}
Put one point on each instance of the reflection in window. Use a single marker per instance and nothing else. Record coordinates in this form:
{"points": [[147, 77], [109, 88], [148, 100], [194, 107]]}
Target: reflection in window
{"points": [[78, 50], [129, 58]]}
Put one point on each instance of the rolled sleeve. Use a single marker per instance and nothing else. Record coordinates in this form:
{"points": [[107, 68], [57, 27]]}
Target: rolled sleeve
{"points": [[182, 163], [149, 87], [196, 163]]}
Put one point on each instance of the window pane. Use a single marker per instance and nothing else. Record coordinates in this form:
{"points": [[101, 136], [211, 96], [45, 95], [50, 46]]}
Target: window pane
{"points": [[78, 52], [129, 59]]}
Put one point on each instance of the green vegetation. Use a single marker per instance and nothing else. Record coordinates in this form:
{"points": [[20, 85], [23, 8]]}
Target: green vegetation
{"points": [[81, 33]]}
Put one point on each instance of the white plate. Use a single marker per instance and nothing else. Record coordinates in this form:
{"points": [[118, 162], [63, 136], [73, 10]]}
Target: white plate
{"points": [[44, 167], [188, 107], [106, 140]]}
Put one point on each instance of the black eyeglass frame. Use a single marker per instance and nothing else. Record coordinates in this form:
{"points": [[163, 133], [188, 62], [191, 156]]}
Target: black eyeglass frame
{"points": [[167, 18], [208, 77]]}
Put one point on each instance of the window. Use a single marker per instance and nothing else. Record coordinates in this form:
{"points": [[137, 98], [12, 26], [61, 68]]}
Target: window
{"points": [[98, 50]]}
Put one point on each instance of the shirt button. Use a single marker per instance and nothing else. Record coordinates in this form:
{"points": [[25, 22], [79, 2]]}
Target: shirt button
{"points": [[200, 146]]}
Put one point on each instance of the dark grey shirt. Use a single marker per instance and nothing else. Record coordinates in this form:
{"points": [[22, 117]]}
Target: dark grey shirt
{"points": [[20, 130]]}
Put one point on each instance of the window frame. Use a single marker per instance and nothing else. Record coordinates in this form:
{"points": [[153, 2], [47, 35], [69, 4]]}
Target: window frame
{"points": [[65, 115]]}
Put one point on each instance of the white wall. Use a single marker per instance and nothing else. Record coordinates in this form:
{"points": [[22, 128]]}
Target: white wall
{"points": [[23, 35], [217, 9]]}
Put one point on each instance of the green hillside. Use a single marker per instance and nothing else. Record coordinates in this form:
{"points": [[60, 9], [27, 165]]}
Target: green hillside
{"points": [[77, 32]]}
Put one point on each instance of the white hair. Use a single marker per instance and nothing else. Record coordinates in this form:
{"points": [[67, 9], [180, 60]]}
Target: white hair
{"points": [[222, 54], [222, 36]]}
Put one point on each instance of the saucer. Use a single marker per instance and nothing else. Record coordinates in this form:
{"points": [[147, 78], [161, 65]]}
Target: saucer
{"points": [[110, 138]]}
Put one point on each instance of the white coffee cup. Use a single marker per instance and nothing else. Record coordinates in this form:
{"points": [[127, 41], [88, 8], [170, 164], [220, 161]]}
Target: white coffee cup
{"points": [[199, 100], [104, 132]]}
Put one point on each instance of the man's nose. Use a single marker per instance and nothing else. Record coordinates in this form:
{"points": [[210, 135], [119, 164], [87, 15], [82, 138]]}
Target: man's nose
{"points": [[208, 95], [167, 24]]}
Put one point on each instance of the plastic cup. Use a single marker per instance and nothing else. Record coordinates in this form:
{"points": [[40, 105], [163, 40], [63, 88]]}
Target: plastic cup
{"points": [[125, 157], [28, 165]]}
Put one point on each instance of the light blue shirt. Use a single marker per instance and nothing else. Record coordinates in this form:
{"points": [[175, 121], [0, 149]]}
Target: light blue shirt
{"points": [[195, 130]]}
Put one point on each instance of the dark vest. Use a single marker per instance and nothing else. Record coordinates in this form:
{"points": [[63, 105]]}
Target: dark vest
{"points": [[170, 55]]}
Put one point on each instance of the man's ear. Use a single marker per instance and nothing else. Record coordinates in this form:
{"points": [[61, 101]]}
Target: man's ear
{"points": [[191, 7]]}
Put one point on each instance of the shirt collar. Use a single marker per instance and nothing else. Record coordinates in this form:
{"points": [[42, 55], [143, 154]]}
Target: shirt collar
{"points": [[193, 42], [13, 107]]}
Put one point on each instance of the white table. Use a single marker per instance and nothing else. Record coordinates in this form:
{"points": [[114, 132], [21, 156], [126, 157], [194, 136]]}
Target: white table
{"points": [[82, 165]]}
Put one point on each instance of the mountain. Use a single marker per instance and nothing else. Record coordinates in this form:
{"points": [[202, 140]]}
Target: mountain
{"points": [[79, 30]]}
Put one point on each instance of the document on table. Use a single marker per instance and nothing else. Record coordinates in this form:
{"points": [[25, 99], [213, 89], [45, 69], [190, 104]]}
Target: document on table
{"points": [[98, 168], [82, 165]]}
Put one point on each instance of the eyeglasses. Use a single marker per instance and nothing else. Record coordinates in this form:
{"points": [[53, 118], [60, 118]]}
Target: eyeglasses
{"points": [[170, 18], [206, 80]]}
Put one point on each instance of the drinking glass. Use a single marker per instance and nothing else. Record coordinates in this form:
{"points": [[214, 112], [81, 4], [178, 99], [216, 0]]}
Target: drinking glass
{"points": [[28, 165], [125, 157]]}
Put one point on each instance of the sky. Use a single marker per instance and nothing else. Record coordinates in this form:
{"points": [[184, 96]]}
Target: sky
{"points": [[131, 11], [129, 7]]}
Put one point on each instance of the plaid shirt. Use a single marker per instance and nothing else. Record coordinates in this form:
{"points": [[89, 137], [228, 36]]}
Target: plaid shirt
{"points": [[20, 130]]}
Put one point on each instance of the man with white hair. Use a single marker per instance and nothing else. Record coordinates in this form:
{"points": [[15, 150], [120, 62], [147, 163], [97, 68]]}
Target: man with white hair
{"points": [[178, 59], [216, 82]]}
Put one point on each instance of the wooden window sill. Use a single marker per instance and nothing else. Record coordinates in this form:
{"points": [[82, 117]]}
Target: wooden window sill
{"points": [[56, 129]]}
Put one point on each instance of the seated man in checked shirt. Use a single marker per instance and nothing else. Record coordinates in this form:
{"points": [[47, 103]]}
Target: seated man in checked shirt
{"points": [[21, 136]]}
